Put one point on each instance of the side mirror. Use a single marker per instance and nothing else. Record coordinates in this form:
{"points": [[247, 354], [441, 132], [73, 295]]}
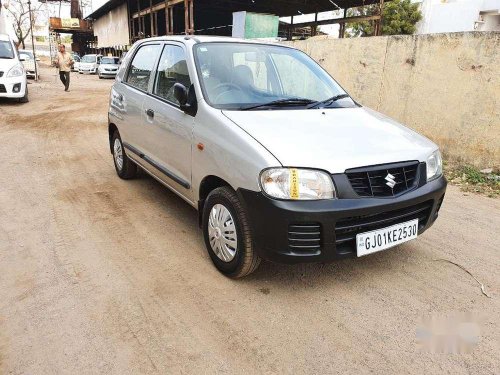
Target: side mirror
{"points": [[37, 59], [181, 94], [22, 58], [186, 98]]}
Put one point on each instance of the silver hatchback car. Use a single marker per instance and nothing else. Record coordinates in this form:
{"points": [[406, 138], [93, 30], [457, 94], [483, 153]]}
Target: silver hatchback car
{"points": [[280, 162]]}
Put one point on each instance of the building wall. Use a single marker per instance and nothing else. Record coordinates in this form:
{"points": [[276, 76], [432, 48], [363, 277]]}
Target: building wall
{"points": [[446, 86], [112, 29], [442, 16]]}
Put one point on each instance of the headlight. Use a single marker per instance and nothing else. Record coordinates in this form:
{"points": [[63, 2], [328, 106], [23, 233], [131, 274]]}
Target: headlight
{"points": [[297, 184], [434, 166], [15, 71]]}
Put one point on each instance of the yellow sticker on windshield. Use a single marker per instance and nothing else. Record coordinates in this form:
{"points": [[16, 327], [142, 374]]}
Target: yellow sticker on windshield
{"points": [[294, 184]]}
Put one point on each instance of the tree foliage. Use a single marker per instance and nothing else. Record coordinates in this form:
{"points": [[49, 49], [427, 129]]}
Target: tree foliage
{"points": [[398, 17]]}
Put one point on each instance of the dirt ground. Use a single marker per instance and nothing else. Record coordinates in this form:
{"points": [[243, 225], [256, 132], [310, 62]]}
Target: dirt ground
{"points": [[100, 275]]}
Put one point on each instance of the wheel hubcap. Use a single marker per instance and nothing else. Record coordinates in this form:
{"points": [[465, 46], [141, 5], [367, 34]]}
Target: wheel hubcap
{"points": [[222, 233], [118, 153]]}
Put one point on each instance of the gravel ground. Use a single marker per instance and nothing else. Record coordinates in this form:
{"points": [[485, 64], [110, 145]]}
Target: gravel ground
{"points": [[100, 275]]}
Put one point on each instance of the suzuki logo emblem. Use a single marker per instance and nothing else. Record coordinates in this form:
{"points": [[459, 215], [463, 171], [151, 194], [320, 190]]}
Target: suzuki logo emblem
{"points": [[391, 182]]}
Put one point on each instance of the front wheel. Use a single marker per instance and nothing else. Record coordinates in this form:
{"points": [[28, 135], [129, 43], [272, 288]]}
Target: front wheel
{"points": [[24, 99], [227, 233]]}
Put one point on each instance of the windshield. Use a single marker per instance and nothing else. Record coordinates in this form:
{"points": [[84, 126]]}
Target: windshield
{"points": [[246, 76], [6, 50], [26, 55], [89, 58], [109, 60]]}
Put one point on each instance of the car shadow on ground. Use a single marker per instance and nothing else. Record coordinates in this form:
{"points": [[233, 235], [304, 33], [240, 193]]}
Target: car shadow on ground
{"points": [[10, 102]]}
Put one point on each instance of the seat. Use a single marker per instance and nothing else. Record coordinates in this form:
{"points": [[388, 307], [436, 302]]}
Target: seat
{"points": [[242, 76]]}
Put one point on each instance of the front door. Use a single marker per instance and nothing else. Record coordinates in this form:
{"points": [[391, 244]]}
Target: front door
{"points": [[169, 130]]}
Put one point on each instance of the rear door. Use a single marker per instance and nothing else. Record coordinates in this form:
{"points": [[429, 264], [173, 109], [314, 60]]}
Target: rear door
{"points": [[169, 130], [128, 95]]}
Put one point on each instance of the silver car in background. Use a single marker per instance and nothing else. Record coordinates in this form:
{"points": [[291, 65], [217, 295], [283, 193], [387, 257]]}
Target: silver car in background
{"points": [[108, 68], [280, 162]]}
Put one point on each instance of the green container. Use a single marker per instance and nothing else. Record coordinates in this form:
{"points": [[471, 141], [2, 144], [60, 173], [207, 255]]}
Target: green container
{"points": [[255, 25]]}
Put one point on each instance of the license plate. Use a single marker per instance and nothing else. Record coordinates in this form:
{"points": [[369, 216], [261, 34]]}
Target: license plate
{"points": [[381, 239]]}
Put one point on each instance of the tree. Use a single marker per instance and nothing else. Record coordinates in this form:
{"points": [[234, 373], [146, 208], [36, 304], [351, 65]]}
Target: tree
{"points": [[21, 18], [398, 17]]}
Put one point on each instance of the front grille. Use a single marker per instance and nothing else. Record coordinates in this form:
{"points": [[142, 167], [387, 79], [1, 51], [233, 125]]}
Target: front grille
{"points": [[304, 238], [347, 229], [2, 89], [373, 181]]}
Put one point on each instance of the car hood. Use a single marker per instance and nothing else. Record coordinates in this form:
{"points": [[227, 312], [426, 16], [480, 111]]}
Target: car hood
{"points": [[6, 64], [332, 139]]}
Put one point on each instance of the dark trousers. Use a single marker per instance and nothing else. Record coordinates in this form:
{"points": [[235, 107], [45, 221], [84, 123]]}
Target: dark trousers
{"points": [[64, 79]]}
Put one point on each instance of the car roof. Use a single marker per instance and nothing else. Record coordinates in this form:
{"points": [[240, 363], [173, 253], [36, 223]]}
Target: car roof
{"points": [[209, 39]]}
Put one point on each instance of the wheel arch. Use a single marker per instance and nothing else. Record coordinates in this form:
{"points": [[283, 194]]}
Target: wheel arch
{"points": [[207, 185], [111, 130]]}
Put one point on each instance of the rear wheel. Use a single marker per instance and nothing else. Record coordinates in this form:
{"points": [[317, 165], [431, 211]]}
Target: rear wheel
{"points": [[227, 233], [125, 168]]}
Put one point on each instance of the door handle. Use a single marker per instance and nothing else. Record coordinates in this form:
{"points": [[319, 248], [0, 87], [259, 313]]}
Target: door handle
{"points": [[150, 113]]}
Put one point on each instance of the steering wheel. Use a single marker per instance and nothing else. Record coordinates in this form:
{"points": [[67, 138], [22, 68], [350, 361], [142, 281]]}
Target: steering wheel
{"points": [[229, 85]]}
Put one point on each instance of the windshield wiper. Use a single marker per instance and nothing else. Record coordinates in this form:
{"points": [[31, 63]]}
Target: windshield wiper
{"points": [[281, 103], [328, 101]]}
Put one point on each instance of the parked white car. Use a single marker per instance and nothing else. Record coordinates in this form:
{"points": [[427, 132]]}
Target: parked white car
{"points": [[89, 64], [280, 162], [13, 81], [29, 63], [108, 67]]}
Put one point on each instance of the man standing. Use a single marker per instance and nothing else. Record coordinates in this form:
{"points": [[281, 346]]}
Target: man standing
{"points": [[64, 62]]}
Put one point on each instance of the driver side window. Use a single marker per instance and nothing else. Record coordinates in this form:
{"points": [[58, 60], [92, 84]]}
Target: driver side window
{"points": [[172, 69]]}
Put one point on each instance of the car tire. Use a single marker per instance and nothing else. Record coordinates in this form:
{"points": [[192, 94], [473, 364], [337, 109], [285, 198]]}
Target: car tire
{"points": [[25, 98], [126, 169], [100, 77], [224, 203]]}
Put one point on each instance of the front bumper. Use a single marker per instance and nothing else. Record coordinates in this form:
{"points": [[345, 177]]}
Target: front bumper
{"points": [[7, 86], [322, 231], [87, 70], [107, 74]]}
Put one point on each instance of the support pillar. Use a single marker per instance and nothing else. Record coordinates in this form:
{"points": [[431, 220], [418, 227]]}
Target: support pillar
{"points": [[188, 17], [378, 23], [342, 26]]}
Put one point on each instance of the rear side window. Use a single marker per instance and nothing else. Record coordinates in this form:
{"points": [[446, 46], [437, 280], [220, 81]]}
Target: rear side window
{"points": [[172, 69], [142, 66]]}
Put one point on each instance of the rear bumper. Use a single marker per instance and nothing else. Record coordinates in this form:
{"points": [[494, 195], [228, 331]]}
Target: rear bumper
{"points": [[322, 231]]}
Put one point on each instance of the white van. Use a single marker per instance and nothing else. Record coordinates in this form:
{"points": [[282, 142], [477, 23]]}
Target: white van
{"points": [[13, 82]]}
